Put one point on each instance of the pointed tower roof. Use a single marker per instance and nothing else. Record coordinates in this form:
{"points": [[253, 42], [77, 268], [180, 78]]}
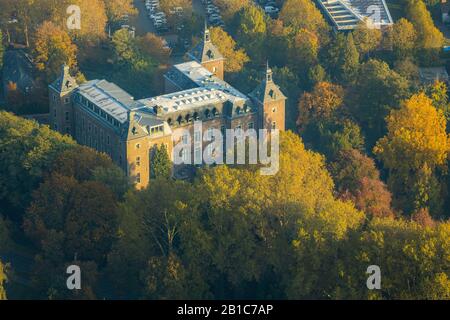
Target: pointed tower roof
{"points": [[267, 90], [205, 51], [65, 81]]}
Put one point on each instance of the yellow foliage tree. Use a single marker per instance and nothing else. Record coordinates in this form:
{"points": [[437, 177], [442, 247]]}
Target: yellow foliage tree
{"points": [[53, 48], [415, 145], [235, 58], [416, 136]]}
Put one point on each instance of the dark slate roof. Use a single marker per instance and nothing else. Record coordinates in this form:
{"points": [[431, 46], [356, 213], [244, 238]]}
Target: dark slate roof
{"points": [[267, 91], [178, 78], [18, 69], [65, 81]]}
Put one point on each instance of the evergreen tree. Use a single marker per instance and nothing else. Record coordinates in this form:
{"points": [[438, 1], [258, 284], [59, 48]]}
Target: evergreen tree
{"points": [[161, 166]]}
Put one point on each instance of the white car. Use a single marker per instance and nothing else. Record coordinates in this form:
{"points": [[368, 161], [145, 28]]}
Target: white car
{"points": [[271, 10]]}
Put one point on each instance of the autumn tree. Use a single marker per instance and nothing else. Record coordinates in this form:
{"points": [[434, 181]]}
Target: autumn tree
{"points": [[437, 92], [155, 47], [3, 280], [235, 57], [415, 145], [402, 38], [229, 8], [93, 20], [117, 9], [303, 49], [358, 179], [303, 14], [366, 39], [320, 104], [428, 36], [53, 48]]}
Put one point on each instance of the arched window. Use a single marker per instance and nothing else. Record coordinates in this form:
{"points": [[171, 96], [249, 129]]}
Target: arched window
{"points": [[207, 113], [195, 116], [238, 110], [188, 118], [180, 119], [214, 112]]}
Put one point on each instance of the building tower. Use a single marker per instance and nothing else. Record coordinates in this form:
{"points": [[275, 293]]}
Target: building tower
{"points": [[61, 110], [271, 103], [207, 54]]}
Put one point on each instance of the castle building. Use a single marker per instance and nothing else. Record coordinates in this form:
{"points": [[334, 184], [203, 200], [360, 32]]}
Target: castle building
{"points": [[103, 116]]}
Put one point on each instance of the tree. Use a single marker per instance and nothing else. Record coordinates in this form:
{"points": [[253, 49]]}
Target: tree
{"points": [[2, 50], [154, 46], [303, 14], [251, 31], [342, 58], [366, 39], [437, 92], [229, 8], [235, 58], [94, 20], [303, 49], [27, 153], [3, 280], [376, 91], [117, 9], [428, 36], [161, 166], [402, 38], [53, 48], [415, 145], [320, 104]]}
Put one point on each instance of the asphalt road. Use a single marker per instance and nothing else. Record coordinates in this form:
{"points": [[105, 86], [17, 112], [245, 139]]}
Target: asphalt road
{"points": [[141, 22]]}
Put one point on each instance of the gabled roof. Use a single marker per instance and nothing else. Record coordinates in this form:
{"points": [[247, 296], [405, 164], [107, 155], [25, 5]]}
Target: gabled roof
{"points": [[205, 50], [18, 69], [268, 91], [65, 81], [347, 14]]}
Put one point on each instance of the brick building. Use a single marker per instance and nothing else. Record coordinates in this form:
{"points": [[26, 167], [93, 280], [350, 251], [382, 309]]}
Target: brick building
{"points": [[101, 115]]}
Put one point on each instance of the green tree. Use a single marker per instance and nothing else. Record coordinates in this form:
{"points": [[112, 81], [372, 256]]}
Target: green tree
{"points": [[366, 39], [251, 31], [377, 90], [402, 38], [27, 154], [342, 58], [161, 166]]}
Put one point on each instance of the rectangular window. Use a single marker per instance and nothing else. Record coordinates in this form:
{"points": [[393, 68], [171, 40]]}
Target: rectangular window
{"points": [[185, 139], [197, 137], [251, 125], [138, 161], [184, 155], [66, 100], [198, 154], [274, 125], [138, 178], [67, 116]]}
